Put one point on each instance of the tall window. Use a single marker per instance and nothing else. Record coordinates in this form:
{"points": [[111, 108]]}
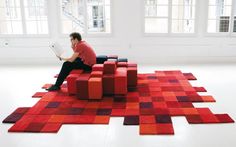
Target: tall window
{"points": [[183, 16], [156, 16], [23, 17], [219, 16], [36, 16], [169, 16], [74, 14], [10, 17]]}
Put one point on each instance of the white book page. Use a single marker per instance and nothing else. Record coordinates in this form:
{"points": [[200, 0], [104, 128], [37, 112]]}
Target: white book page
{"points": [[57, 49]]}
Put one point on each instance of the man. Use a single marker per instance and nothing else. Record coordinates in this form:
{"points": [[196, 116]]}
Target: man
{"points": [[84, 58]]}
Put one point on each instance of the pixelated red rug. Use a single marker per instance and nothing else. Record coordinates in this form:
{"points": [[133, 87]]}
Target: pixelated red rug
{"points": [[157, 97]]}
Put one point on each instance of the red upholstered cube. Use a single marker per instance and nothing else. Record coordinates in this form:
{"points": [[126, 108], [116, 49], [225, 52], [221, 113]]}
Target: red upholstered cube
{"points": [[122, 64], [121, 80], [76, 71], [130, 64], [97, 67], [108, 83], [82, 86], [112, 57], [109, 67], [96, 74], [71, 83], [132, 76], [95, 88]]}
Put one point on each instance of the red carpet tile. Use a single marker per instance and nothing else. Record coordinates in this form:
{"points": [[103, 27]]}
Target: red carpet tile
{"points": [[150, 105]]}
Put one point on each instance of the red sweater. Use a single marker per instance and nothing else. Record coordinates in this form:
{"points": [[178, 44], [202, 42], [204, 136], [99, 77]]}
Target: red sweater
{"points": [[86, 53]]}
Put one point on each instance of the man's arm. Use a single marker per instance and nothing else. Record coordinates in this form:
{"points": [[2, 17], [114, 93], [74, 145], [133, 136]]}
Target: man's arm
{"points": [[71, 59]]}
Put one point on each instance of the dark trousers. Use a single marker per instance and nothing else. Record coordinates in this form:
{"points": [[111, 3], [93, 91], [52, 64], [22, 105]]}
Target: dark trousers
{"points": [[67, 67]]}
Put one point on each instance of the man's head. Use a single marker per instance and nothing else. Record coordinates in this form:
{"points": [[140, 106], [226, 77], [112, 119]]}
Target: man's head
{"points": [[75, 38]]}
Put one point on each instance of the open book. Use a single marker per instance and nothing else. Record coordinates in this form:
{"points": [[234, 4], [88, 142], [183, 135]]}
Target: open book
{"points": [[57, 49]]}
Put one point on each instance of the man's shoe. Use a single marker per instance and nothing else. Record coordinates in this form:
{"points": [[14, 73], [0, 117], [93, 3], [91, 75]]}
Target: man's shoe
{"points": [[53, 88]]}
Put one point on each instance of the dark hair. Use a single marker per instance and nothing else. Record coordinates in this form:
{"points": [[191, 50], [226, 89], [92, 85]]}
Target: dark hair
{"points": [[76, 35]]}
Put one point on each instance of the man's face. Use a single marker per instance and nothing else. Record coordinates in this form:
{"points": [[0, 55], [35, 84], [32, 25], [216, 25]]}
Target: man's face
{"points": [[72, 41]]}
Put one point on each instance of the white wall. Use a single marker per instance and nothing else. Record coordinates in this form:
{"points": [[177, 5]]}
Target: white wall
{"points": [[127, 40]]}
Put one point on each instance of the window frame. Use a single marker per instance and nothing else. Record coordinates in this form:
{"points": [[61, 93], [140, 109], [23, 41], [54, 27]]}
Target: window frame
{"points": [[86, 34], [169, 33], [231, 24], [24, 34]]}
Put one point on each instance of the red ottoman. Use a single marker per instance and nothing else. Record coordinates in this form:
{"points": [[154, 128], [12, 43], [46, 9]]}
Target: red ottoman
{"points": [[130, 64], [76, 71], [109, 67], [121, 80], [71, 83], [96, 74], [132, 76], [82, 86], [108, 84], [97, 67], [122, 64], [95, 88]]}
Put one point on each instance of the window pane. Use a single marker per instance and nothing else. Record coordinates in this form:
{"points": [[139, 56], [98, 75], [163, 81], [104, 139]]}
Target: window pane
{"points": [[219, 15], [36, 15], [10, 17], [72, 14], [216, 26], [183, 12], [183, 26], [98, 13], [183, 15], [156, 25]]}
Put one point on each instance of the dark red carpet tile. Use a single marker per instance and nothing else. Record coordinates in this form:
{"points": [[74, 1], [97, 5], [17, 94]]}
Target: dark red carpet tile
{"points": [[183, 98], [104, 111], [131, 120], [157, 97], [189, 76], [34, 127], [53, 104], [39, 94], [145, 105], [16, 115], [200, 89], [194, 119], [224, 118], [22, 124], [163, 119]]}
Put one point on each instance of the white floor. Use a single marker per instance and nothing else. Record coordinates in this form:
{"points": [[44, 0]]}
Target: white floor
{"points": [[19, 83]]}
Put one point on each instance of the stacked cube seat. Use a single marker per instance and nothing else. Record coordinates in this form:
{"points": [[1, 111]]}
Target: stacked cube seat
{"points": [[110, 76], [95, 88], [120, 81], [82, 82]]}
